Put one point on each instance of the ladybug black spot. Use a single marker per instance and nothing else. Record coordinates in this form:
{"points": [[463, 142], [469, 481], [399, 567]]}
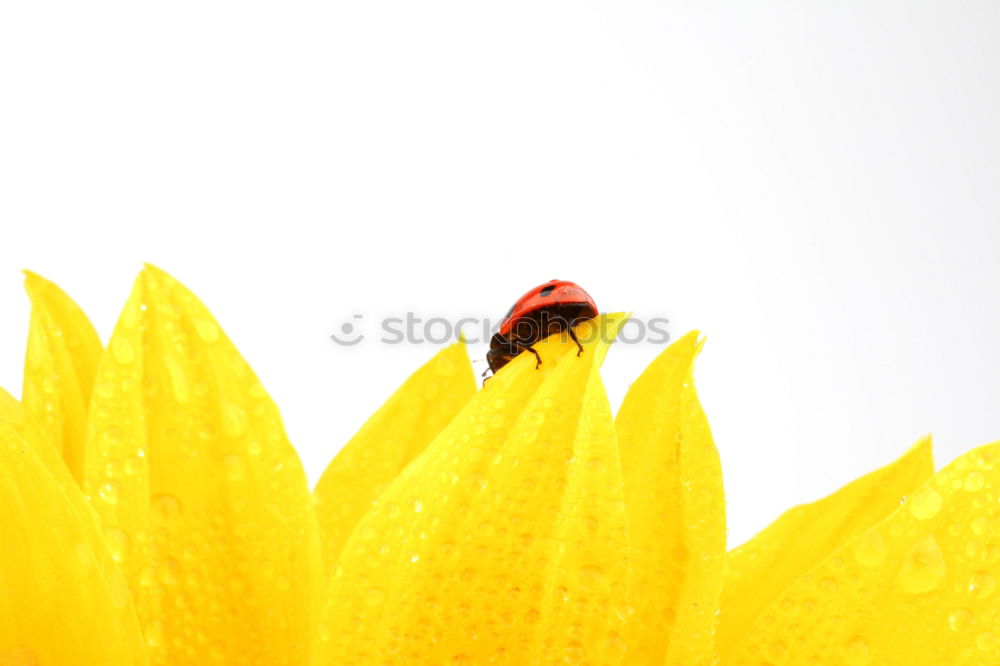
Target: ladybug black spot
{"points": [[546, 290]]}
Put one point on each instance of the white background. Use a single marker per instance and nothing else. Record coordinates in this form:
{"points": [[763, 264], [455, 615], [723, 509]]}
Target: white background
{"points": [[814, 188]]}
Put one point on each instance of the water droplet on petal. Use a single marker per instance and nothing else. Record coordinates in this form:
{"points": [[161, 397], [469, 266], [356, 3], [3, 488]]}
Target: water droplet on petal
{"points": [[982, 585], [980, 526], [169, 571], [961, 620], [165, 507], [923, 568], [234, 420], [118, 543], [925, 503], [857, 652], [591, 575], [207, 330], [777, 650], [154, 633], [974, 481], [870, 549], [109, 491]]}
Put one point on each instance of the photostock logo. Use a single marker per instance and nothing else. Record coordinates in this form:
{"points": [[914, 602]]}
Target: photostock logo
{"points": [[349, 334], [410, 329]]}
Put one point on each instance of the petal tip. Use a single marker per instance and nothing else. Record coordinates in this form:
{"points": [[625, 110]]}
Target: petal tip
{"points": [[35, 283]]}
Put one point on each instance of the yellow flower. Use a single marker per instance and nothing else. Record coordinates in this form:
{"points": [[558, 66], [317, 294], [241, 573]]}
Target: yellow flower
{"points": [[153, 512]]}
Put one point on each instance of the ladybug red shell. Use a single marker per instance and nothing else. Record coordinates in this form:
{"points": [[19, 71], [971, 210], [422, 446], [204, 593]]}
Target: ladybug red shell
{"points": [[549, 308]]}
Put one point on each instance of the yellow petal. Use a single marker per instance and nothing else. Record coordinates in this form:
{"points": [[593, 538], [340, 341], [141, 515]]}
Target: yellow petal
{"points": [[504, 542], [762, 568], [59, 368], [16, 415], [62, 600], [401, 429], [918, 588], [188, 457], [673, 487]]}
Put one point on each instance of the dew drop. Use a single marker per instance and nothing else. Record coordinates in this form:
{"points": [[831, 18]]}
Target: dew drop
{"points": [[987, 642], [857, 652], [118, 543], [147, 577], [217, 651], [777, 650], [575, 652], [169, 571], [870, 549], [617, 642], [980, 526], [828, 585], [154, 633], [982, 585], [974, 481], [923, 568], [207, 330], [234, 420], [133, 465], [109, 492], [961, 620], [374, 596], [925, 503], [591, 575], [166, 507]]}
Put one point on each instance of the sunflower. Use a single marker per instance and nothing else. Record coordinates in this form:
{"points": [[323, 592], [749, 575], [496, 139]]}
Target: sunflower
{"points": [[152, 511]]}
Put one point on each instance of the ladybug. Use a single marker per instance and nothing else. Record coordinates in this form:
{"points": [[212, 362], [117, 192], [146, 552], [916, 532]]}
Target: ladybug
{"points": [[553, 307]]}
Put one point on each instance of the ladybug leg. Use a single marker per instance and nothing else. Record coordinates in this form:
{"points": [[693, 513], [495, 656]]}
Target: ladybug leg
{"points": [[579, 347], [524, 347]]}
